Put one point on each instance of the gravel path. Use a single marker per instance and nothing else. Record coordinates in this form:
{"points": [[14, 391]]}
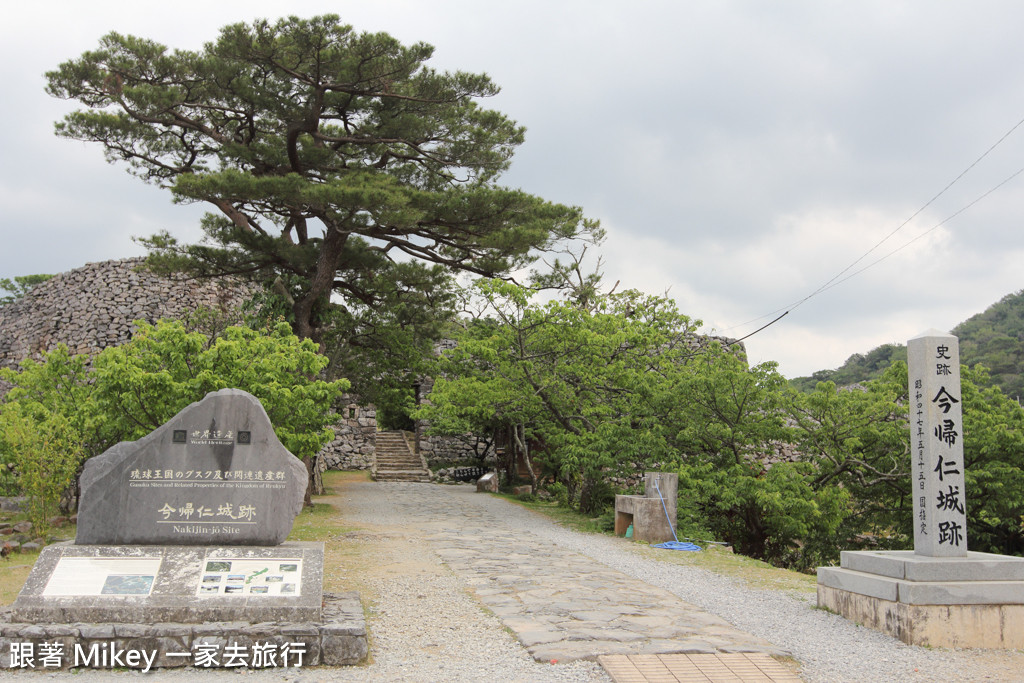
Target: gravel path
{"points": [[425, 626]]}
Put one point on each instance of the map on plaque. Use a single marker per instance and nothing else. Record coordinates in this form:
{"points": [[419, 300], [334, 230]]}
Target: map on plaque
{"points": [[214, 474], [240, 576]]}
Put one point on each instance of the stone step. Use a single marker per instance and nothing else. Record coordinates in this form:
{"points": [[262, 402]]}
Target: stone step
{"points": [[396, 461], [402, 475]]}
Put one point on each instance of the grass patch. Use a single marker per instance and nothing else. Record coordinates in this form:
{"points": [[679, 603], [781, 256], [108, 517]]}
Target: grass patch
{"points": [[754, 573], [322, 522], [15, 567], [14, 570]]}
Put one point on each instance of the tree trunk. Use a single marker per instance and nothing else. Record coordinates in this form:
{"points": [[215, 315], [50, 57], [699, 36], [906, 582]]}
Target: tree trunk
{"points": [[320, 285], [521, 443]]}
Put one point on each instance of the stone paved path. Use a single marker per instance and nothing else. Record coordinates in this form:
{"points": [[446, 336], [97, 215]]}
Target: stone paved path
{"points": [[560, 604]]}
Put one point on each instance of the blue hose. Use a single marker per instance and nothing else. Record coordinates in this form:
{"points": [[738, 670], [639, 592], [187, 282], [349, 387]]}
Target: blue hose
{"points": [[676, 544]]}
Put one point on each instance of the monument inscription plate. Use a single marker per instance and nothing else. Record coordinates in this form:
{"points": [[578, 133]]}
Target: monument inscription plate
{"points": [[936, 438], [215, 474]]}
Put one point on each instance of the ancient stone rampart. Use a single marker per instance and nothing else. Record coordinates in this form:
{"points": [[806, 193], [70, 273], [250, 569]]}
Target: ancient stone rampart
{"points": [[355, 438], [92, 307]]}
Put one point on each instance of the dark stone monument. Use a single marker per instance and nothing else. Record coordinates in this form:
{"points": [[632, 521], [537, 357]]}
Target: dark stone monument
{"points": [[214, 474], [180, 557]]}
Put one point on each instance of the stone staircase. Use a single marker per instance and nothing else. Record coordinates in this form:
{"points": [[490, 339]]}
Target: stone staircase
{"points": [[395, 461]]}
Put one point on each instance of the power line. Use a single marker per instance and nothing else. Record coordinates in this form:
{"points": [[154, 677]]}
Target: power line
{"points": [[929, 230], [834, 280]]}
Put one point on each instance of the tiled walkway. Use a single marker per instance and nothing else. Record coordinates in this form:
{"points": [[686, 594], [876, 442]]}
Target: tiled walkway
{"points": [[564, 606], [700, 668]]}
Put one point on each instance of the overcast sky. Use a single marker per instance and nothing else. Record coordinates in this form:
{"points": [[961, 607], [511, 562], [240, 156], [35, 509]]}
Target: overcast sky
{"points": [[739, 154]]}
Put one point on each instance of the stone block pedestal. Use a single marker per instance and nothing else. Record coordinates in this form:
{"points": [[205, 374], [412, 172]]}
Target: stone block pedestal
{"points": [[972, 601], [647, 513]]}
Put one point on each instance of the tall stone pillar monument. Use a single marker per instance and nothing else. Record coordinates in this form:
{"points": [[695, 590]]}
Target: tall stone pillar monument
{"points": [[938, 594], [937, 445]]}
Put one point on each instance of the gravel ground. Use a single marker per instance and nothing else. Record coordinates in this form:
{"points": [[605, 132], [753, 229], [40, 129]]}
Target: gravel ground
{"points": [[425, 627]]}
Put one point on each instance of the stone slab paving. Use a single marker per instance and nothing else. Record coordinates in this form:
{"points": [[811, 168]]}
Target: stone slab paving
{"points": [[562, 605], [698, 668]]}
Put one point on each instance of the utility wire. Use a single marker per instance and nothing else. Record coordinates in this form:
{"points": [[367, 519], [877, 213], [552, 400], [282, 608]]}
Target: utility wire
{"points": [[834, 280], [928, 231]]}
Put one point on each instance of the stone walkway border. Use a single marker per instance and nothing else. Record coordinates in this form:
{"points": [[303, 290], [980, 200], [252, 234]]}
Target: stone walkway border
{"points": [[697, 668]]}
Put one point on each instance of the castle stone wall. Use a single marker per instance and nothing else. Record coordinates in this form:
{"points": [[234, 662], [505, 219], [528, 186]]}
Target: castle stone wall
{"points": [[92, 307]]}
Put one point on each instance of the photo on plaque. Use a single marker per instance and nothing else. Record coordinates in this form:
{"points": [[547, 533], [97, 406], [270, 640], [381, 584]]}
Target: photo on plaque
{"points": [[127, 584], [233, 588], [218, 566], [288, 588], [211, 578], [209, 589], [274, 578], [288, 568], [236, 577], [259, 589]]}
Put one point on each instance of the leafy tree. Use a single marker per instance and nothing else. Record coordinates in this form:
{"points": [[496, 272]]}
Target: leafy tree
{"points": [[20, 286], [42, 449], [574, 387], [387, 348], [135, 388], [725, 419], [857, 439], [340, 164], [994, 465], [772, 513]]}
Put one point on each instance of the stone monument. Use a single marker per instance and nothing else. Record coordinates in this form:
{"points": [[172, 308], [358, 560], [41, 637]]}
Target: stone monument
{"points": [[180, 554], [939, 594], [215, 474]]}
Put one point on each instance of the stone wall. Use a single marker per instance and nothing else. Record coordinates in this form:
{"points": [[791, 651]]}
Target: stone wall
{"points": [[92, 307], [355, 438]]}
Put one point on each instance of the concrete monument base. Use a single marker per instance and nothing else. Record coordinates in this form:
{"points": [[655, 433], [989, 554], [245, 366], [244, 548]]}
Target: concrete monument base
{"points": [[189, 584], [972, 601], [213, 606], [338, 639]]}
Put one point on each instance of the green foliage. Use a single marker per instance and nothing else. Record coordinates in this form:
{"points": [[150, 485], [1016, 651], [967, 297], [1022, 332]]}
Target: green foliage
{"points": [[42, 448], [582, 385], [20, 286], [772, 514], [61, 385], [144, 383], [62, 411], [339, 163], [994, 462], [725, 411], [857, 439]]}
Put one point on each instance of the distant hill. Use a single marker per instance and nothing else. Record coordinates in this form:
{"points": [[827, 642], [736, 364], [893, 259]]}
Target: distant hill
{"points": [[994, 338]]}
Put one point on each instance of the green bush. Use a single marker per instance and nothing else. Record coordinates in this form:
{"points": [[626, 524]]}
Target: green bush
{"points": [[62, 412]]}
